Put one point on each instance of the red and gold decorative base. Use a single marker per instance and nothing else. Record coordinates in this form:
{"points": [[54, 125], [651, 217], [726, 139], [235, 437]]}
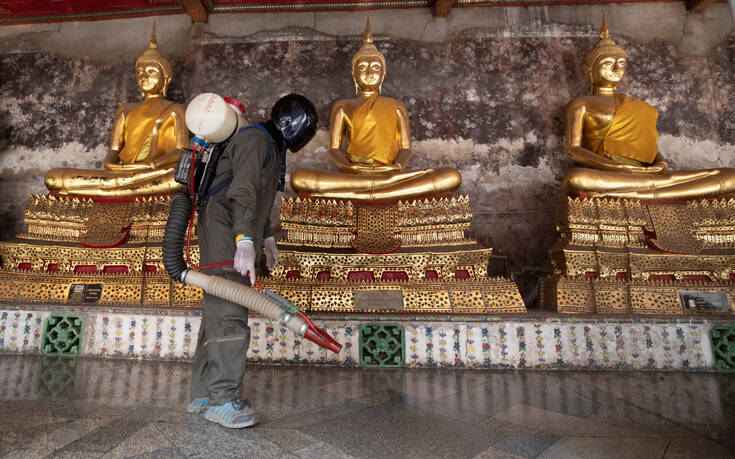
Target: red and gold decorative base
{"points": [[631, 256], [95, 251], [338, 257], [329, 223], [405, 256]]}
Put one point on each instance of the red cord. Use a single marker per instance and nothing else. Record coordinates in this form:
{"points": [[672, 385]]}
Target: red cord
{"points": [[191, 220], [308, 321]]}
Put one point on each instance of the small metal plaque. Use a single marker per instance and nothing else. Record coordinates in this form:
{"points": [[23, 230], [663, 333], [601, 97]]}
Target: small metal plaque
{"points": [[694, 300], [391, 300], [84, 293]]}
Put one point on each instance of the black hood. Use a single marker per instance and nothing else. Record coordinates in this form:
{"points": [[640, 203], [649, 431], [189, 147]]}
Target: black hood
{"points": [[270, 126]]}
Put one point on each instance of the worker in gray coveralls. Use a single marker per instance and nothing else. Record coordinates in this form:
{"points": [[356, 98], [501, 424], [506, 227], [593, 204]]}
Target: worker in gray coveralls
{"points": [[233, 225]]}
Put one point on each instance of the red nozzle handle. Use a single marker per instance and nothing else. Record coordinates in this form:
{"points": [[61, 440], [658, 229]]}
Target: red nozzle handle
{"points": [[319, 336], [314, 333]]}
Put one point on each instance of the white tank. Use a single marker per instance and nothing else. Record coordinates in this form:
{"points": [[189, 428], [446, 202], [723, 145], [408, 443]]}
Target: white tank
{"points": [[210, 118]]}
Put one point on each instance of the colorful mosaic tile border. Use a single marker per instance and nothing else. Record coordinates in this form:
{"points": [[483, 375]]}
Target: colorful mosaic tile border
{"points": [[550, 345], [113, 334], [510, 343]]}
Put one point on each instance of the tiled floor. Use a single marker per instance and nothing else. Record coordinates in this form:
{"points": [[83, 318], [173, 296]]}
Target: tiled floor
{"points": [[121, 408]]}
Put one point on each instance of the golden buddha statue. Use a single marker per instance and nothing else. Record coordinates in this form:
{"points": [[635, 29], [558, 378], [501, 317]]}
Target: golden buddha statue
{"points": [[376, 131], [145, 143], [615, 137]]}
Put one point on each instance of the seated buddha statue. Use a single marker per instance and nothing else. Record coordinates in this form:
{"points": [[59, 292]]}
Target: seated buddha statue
{"points": [[614, 136], [376, 133], [145, 143]]}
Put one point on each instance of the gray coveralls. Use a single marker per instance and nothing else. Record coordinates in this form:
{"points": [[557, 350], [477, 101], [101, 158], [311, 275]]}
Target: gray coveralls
{"points": [[243, 207]]}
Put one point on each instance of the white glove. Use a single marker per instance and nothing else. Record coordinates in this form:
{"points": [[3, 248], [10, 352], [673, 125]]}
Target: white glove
{"points": [[244, 262], [271, 253]]}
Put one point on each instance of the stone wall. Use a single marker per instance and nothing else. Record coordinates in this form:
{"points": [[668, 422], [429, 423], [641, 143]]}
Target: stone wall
{"points": [[485, 93]]}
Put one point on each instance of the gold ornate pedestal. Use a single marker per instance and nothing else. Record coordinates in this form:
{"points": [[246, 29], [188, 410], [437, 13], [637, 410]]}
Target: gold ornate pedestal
{"points": [[630, 256], [337, 223], [77, 250], [406, 256]]}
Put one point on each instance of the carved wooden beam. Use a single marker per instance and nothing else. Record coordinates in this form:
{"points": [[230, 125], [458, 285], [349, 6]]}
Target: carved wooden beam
{"points": [[442, 7], [698, 5], [195, 9]]}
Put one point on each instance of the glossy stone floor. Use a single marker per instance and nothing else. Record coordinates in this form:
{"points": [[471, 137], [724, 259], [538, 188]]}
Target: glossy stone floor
{"points": [[123, 408]]}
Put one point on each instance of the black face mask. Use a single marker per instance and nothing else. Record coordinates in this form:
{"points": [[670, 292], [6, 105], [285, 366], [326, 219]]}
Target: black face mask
{"points": [[295, 117]]}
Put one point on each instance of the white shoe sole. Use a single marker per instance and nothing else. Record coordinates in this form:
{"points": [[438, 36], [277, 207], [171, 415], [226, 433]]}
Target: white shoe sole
{"points": [[191, 409], [214, 418]]}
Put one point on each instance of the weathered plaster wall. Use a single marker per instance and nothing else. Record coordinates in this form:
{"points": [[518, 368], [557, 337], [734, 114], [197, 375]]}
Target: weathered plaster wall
{"points": [[484, 95]]}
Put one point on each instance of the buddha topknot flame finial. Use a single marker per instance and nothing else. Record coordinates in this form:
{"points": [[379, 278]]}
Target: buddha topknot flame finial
{"points": [[604, 33], [154, 44], [367, 35]]}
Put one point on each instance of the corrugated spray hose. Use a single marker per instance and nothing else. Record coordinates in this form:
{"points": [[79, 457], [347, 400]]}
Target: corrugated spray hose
{"points": [[246, 297], [173, 261], [174, 235]]}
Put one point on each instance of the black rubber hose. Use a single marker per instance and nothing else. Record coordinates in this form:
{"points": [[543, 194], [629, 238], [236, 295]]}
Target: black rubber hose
{"points": [[174, 235]]}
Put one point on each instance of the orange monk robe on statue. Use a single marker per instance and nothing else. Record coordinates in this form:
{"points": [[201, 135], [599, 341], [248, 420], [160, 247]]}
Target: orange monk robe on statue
{"points": [[138, 128], [630, 137], [374, 132]]}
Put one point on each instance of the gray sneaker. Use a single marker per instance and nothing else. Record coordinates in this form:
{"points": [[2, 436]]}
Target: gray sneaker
{"points": [[234, 414]]}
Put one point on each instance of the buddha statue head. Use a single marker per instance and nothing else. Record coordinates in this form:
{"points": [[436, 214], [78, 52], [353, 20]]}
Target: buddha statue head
{"points": [[368, 65], [605, 62], [153, 71]]}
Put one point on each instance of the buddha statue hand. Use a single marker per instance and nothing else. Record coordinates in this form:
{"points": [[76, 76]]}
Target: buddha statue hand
{"points": [[361, 160], [130, 167], [657, 168], [361, 165], [376, 169]]}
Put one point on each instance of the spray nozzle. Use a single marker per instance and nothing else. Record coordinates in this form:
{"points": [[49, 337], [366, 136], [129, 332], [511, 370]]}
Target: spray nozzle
{"points": [[312, 333], [319, 336]]}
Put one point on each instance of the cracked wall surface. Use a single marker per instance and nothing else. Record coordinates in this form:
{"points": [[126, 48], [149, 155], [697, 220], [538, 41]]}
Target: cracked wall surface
{"points": [[486, 99]]}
